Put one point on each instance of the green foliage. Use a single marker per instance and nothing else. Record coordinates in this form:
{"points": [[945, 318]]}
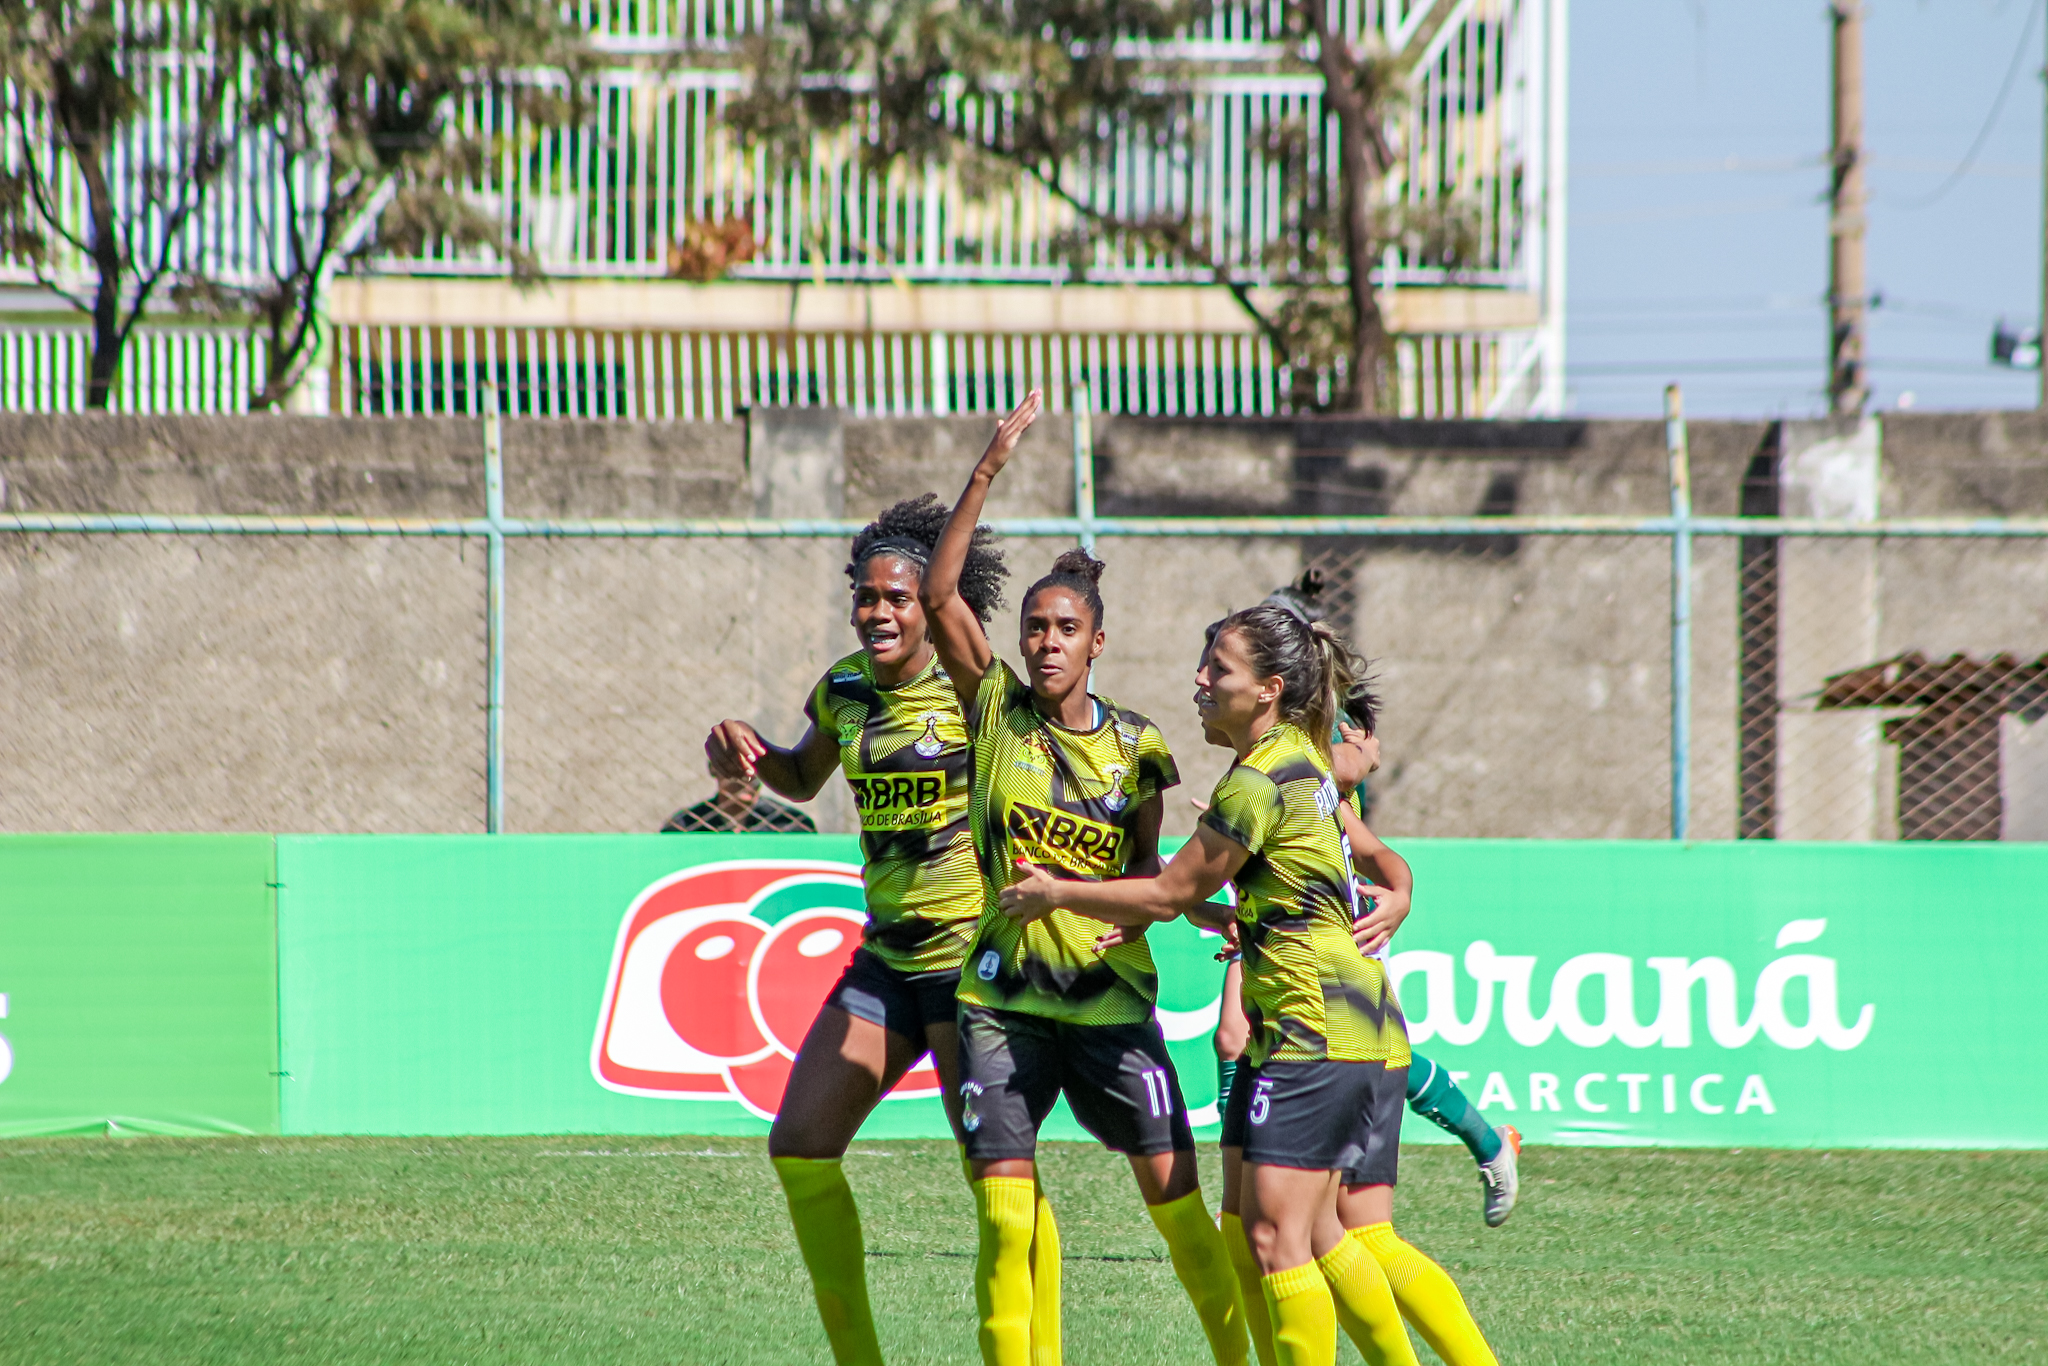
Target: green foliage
{"points": [[357, 101], [636, 1250], [85, 179], [1039, 88], [351, 104]]}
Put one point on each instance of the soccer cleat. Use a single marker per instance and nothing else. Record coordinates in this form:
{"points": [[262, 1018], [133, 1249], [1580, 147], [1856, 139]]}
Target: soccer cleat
{"points": [[1499, 1179]]}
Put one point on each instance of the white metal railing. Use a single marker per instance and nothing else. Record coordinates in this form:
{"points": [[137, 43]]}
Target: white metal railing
{"points": [[610, 195], [43, 369], [652, 376], [712, 376]]}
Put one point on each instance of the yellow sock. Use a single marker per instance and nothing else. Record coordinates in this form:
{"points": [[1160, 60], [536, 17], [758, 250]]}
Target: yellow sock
{"points": [[1005, 1208], [1258, 1323], [1304, 1318], [1202, 1264], [1365, 1305], [1429, 1299], [1045, 1284], [828, 1234]]}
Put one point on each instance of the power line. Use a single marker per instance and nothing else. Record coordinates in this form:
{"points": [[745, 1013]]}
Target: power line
{"points": [[1768, 367], [2012, 72]]}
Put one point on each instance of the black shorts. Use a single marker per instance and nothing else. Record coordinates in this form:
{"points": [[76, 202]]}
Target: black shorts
{"points": [[1384, 1109], [1312, 1116], [1118, 1079], [900, 1002]]}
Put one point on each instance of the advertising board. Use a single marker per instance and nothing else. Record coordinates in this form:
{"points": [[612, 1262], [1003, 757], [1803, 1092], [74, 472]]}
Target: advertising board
{"points": [[1625, 992], [594, 984], [138, 985]]}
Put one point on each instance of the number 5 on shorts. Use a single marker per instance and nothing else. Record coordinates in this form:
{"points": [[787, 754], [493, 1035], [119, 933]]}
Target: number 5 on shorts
{"points": [[1262, 1101]]}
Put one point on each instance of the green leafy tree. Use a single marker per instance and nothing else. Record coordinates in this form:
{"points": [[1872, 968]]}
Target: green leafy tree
{"points": [[96, 193], [357, 105], [1040, 88]]}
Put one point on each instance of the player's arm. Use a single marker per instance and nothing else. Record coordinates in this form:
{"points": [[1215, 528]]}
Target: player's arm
{"points": [[1356, 755], [955, 631], [736, 750], [1144, 836], [1393, 891], [1197, 873]]}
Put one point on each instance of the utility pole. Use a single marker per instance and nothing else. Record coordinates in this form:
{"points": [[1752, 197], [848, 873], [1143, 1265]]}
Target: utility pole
{"points": [[1848, 289]]}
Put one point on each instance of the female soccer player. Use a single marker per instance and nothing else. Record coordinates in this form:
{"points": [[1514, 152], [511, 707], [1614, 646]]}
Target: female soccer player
{"points": [[1070, 780], [1354, 753], [1327, 1039], [886, 716]]}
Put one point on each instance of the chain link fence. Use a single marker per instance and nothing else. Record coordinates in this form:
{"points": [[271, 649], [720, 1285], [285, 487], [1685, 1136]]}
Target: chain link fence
{"points": [[1875, 682]]}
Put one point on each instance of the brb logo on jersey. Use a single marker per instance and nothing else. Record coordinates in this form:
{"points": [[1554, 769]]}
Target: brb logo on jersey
{"points": [[899, 801], [717, 975], [1067, 841]]}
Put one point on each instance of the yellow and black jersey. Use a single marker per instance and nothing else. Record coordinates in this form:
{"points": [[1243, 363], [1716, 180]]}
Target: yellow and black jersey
{"points": [[1308, 992], [904, 752], [1067, 800]]}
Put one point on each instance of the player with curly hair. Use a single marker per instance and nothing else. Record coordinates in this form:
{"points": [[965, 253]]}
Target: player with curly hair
{"points": [[1070, 780], [888, 718]]}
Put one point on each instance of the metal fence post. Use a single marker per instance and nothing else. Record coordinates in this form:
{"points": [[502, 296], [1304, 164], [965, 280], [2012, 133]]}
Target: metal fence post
{"points": [[1084, 468], [494, 580], [1680, 462]]}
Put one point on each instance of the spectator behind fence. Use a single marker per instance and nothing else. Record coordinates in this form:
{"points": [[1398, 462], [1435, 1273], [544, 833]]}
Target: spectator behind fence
{"points": [[739, 809]]}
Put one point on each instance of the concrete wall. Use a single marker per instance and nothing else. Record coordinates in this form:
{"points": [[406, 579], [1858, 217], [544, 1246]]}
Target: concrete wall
{"points": [[187, 683]]}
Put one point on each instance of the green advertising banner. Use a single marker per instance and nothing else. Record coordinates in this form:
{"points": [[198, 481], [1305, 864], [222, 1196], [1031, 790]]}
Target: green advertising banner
{"points": [[1630, 992], [594, 983], [1754, 994], [138, 984], [1633, 992]]}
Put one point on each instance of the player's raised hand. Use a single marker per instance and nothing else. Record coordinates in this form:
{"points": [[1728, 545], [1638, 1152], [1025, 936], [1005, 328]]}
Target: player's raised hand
{"points": [[1009, 433], [1033, 896], [734, 748]]}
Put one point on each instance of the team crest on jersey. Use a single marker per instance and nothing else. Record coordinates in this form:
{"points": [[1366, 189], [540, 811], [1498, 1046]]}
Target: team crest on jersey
{"points": [[929, 745], [1116, 799], [846, 675]]}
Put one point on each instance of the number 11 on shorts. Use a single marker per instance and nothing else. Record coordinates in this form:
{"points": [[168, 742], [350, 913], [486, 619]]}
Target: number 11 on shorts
{"points": [[1158, 1092]]}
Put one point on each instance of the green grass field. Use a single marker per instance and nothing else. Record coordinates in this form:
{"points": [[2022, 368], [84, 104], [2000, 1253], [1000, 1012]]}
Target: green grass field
{"points": [[678, 1251]]}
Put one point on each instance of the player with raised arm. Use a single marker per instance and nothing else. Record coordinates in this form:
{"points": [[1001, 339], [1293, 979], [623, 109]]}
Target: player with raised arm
{"points": [[1070, 780], [887, 717]]}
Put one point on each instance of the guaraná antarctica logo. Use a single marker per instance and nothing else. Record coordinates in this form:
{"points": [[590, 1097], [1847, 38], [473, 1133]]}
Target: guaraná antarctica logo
{"points": [[717, 975], [1614, 1020]]}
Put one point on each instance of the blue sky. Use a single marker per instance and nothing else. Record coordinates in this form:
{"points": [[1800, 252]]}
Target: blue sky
{"points": [[1697, 227]]}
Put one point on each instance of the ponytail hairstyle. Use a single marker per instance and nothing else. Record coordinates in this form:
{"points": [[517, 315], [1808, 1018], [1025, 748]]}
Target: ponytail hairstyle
{"points": [[910, 529], [1361, 706], [1080, 573], [1315, 665], [1304, 593]]}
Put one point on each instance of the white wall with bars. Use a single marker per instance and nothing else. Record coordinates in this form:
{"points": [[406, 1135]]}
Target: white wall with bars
{"points": [[608, 196]]}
